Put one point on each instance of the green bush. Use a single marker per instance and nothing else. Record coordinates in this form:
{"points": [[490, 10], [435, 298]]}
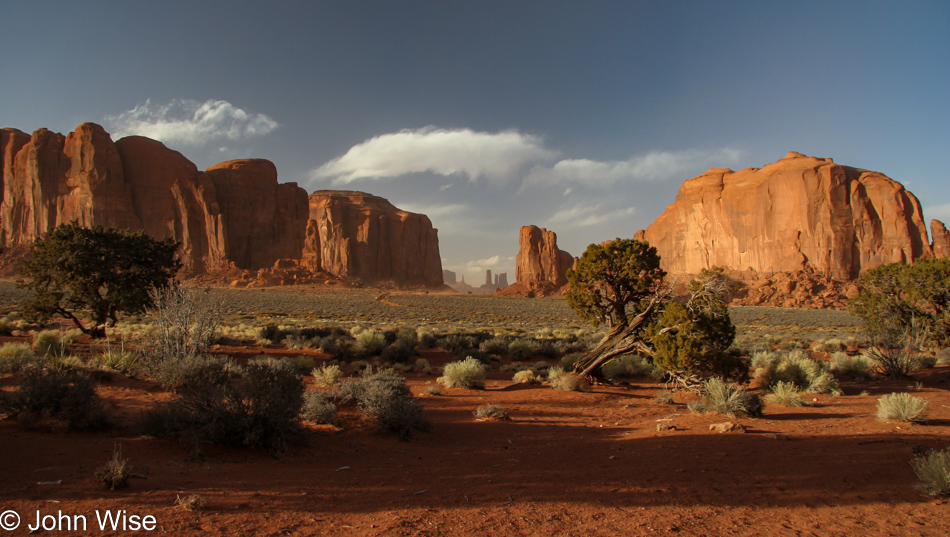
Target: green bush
{"points": [[258, 409], [785, 394], [468, 373], [520, 350], [627, 366], [121, 360], [327, 375], [318, 409], [902, 407], [49, 343], [496, 345], [14, 357], [66, 396], [727, 399], [370, 343], [858, 367], [933, 471]]}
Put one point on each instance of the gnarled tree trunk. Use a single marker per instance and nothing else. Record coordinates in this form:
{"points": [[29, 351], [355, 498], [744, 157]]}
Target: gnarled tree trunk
{"points": [[621, 339]]}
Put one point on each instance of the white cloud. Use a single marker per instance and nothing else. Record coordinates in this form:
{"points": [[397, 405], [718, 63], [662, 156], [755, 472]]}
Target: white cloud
{"points": [[497, 264], [584, 216], [938, 212], [497, 157], [186, 121], [654, 166]]}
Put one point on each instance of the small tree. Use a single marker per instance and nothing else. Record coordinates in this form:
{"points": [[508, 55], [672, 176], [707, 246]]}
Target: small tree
{"points": [[620, 283], [905, 305], [99, 270]]}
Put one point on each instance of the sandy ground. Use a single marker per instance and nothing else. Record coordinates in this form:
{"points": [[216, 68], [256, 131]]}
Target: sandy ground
{"points": [[565, 464]]}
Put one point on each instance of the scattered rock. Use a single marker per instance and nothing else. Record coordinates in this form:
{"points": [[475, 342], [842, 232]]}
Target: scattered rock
{"points": [[727, 427], [776, 436], [660, 427]]}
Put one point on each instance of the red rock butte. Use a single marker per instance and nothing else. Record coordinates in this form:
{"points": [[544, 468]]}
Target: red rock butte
{"points": [[233, 220], [540, 267], [801, 218]]}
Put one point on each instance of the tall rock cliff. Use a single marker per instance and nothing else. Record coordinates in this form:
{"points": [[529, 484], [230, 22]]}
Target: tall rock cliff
{"points": [[800, 212], [540, 267], [233, 218], [358, 235], [807, 217], [941, 239]]}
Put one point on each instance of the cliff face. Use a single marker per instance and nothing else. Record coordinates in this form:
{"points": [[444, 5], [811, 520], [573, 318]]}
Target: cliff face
{"points": [[800, 213], [358, 235], [540, 267], [233, 215], [233, 218], [941, 239]]}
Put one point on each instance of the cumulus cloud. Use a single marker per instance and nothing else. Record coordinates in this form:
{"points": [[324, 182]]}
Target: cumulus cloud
{"points": [[185, 121], [497, 157], [586, 215], [654, 166]]}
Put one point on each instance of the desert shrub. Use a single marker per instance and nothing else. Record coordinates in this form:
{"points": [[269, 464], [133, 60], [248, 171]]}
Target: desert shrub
{"points": [[664, 398], [568, 360], [296, 342], [327, 375], [339, 347], [396, 353], [384, 396], [796, 367], [831, 346], [260, 408], [407, 337], [555, 373], [191, 502], [546, 349], [491, 411], [858, 367], [118, 359], [370, 343], [389, 336], [65, 396], [187, 319], [785, 394], [496, 345], [570, 382], [115, 473], [318, 409], [893, 363], [727, 399], [525, 377], [302, 363], [901, 407], [427, 340], [482, 357], [468, 373], [926, 361], [174, 373], [933, 471], [432, 390], [14, 357], [49, 343], [627, 367], [422, 365], [520, 350], [456, 343]]}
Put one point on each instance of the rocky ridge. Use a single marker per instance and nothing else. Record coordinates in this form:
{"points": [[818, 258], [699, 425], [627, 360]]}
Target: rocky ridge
{"points": [[234, 220], [540, 267]]}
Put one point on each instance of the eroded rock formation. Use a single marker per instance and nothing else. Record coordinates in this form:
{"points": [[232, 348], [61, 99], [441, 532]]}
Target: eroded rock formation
{"points": [[358, 235], [541, 267], [801, 219], [234, 220], [941, 239]]}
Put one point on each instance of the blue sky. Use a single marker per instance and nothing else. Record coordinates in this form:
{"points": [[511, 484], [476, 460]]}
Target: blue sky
{"points": [[582, 117]]}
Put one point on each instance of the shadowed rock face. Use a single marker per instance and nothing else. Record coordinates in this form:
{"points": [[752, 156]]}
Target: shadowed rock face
{"points": [[358, 235], [798, 214]]}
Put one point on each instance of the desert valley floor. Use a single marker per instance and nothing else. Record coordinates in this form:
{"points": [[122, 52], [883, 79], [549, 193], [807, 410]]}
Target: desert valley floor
{"points": [[566, 463]]}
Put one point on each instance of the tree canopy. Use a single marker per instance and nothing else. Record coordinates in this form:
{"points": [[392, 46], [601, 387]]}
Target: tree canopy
{"points": [[906, 305], [620, 283], [98, 270]]}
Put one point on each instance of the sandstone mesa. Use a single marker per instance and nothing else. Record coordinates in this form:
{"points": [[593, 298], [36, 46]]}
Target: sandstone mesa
{"points": [[234, 220]]}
